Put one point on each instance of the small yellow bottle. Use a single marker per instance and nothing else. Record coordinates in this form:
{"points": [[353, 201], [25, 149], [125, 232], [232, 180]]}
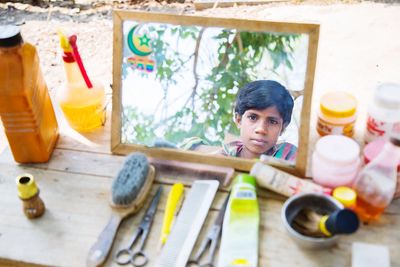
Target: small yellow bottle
{"points": [[82, 105], [28, 192]]}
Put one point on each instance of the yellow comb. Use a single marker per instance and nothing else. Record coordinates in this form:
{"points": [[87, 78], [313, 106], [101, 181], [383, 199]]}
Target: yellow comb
{"points": [[172, 202]]}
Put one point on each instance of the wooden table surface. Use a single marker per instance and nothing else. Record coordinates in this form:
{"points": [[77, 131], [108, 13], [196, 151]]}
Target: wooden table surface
{"points": [[75, 186]]}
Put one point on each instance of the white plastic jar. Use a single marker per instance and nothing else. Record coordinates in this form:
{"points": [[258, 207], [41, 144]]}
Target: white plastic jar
{"points": [[335, 161], [383, 112]]}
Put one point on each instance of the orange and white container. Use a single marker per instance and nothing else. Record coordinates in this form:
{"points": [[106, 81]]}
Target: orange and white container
{"points": [[337, 114], [25, 106]]}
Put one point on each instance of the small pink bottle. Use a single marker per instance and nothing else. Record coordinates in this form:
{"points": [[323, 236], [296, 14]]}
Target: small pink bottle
{"points": [[372, 149], [376, 183]]}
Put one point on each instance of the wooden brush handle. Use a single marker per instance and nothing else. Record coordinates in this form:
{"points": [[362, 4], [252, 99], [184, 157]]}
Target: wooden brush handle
{"points": [[204, 171], [99, 251]]}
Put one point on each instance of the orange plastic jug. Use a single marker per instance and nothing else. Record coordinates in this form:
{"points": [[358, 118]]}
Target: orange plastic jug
{"points": [[25, 106]]}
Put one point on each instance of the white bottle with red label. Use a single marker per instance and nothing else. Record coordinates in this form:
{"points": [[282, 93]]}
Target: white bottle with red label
{"points": [[384, 112]]}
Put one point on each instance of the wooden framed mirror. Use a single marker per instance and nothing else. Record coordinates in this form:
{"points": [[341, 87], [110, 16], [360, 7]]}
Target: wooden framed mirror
{"points": [[176, 80]]}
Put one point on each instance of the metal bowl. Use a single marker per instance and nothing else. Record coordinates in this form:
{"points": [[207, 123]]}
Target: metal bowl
{"points": [[320, 203]]}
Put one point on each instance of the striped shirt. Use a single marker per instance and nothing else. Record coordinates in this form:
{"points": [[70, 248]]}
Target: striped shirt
{"points": [[284, 151]]}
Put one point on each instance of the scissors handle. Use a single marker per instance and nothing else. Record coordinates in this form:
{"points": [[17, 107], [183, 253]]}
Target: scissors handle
{"points": [[193, 263], [139, 259], [123, 256]]}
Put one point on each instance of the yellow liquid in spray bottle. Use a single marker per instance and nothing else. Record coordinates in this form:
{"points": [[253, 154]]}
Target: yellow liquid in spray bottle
{"points": [[83, 107]]}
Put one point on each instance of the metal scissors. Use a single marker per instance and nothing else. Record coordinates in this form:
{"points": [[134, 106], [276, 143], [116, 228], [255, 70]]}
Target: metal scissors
{"points": [[211, 240], [138, 258]]}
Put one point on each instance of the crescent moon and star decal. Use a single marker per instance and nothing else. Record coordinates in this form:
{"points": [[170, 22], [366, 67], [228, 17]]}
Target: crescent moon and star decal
{"points": [[140, 46]]}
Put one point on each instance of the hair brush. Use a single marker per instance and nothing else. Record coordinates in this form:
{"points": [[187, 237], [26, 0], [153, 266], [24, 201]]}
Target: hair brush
{"points": [[128, 193]]}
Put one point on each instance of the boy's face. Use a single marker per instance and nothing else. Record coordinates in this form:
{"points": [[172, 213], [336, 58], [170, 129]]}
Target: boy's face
{"points": [[259, 130]]}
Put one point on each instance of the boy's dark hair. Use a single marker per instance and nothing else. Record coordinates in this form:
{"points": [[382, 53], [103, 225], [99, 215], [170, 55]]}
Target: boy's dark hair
{"points": [[263, 94]]}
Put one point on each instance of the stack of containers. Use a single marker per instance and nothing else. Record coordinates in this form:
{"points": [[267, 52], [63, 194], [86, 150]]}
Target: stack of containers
{"points": [[336, 161]]}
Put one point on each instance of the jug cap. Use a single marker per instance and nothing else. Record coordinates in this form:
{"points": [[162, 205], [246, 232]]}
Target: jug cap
{"points": [[10, 35]]}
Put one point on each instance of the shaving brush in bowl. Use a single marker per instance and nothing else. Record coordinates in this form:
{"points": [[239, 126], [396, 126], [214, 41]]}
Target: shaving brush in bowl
{"points": [[316, 221], [311, 223]]}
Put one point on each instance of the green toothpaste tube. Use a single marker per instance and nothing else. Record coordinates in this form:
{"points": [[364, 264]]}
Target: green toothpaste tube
{"points": [[239, 245]]}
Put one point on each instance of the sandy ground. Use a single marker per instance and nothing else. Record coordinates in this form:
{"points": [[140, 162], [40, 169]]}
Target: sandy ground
{"points": [[359, 45]]}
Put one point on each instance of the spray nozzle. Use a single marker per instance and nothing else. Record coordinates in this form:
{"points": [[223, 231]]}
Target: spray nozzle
{"points": [[72, 43], [64, 43]]}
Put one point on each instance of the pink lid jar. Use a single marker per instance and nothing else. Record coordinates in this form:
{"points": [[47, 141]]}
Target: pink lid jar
{"points": [[335, 161]]}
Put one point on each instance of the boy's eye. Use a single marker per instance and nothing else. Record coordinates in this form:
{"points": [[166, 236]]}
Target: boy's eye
{"points": [[252, 117], [273, 121]]}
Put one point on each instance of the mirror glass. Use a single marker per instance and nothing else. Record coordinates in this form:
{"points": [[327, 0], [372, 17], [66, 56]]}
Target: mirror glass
{"points": [[179, 85]]}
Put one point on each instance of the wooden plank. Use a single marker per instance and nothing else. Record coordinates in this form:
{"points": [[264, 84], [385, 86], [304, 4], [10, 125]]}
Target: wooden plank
{"points": [[204, 4], [77, 210], [117, 83], [9, 263], [105, 165], [95, 141], [75, 206]]}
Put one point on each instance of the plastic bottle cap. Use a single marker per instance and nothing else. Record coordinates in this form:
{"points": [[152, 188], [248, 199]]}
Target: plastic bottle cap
{"points": [[10, 35], [343, 221], [388, 95], [26, 186], [245, 178], [338, 104], [345, 195]]}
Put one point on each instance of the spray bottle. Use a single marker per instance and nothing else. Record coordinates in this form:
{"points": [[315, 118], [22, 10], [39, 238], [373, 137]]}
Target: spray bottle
{"points": [[239, 245], [376, 182], [81, 101]]}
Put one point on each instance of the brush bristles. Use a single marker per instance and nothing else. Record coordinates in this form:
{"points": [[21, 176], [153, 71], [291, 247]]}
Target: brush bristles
{"points": [[306, 222], [130, 179]]}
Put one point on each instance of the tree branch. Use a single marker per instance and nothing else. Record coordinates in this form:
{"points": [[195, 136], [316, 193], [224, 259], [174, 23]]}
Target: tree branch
{"points": [[221, 64], [196, 59]]}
